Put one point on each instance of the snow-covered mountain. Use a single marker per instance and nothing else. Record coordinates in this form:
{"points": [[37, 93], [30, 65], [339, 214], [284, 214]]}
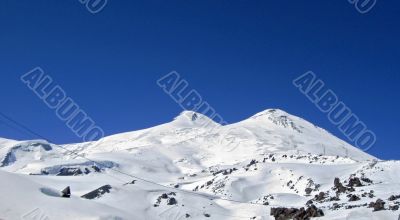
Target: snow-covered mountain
{"points": [[194, 168]]}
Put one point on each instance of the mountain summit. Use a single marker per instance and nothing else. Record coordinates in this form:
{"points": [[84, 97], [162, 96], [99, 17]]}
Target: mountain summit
{"points": [[194, 119], [270, 164]]}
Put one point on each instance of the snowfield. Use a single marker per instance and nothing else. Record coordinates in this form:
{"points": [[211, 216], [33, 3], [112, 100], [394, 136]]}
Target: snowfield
{"points": [[193, 168]]}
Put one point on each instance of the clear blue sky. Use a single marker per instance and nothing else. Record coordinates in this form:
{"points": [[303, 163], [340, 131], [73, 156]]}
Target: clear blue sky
{"points": [[241, 56]]}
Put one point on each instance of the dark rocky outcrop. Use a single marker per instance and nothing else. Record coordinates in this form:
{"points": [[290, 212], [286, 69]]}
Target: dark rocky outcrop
{"points": [[97, 193], [228, 171], [308, 191], [66, 193], [336, 206], [296, 214], [354, 182], [367, 180], [169, 197], [224, 172], [320, 196], [69, 172], [334, 199], [338, 186], [394, 207], [164, 196], [393, 197], [356, 206], [252, 162], [353, 198], [172, 201], [379, 205], [369, 195]]}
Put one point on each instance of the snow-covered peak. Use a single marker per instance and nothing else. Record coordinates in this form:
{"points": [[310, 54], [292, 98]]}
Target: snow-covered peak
{"points": [[272, 111], [272, 159], [189, 115], [279, 118], [274, 130], [193, 119], [269, 131]]}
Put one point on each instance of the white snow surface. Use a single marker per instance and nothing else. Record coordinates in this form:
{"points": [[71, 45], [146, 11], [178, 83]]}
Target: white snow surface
{"points": [[212, 171]]}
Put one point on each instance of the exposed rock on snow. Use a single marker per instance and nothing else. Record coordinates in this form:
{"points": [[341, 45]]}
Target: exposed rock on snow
{"points": [[272, 159], [296, 214], [97, 193], [378, 205], [66, 193]]}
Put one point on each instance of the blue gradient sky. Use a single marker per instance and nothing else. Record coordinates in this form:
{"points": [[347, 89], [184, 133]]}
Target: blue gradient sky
{"points": [[241, 56]]}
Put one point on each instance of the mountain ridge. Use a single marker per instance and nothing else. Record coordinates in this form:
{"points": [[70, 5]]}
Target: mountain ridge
{"points": [[194, 168]]}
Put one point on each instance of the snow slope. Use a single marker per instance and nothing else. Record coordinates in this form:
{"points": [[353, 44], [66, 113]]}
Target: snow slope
{"points": [[194, 168]]}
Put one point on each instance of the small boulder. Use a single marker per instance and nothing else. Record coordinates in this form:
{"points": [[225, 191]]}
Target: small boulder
{"points": [[308, 191], [172, 201], [66, 193], [339, 186], [164, 196], [353, 198], [393, 197], [379, 205], [354, 182], [320, 196], [394, 207]]}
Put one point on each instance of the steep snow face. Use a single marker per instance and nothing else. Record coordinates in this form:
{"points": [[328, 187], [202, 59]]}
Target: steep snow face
{"points": [[274, 130], [185, 126]]}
